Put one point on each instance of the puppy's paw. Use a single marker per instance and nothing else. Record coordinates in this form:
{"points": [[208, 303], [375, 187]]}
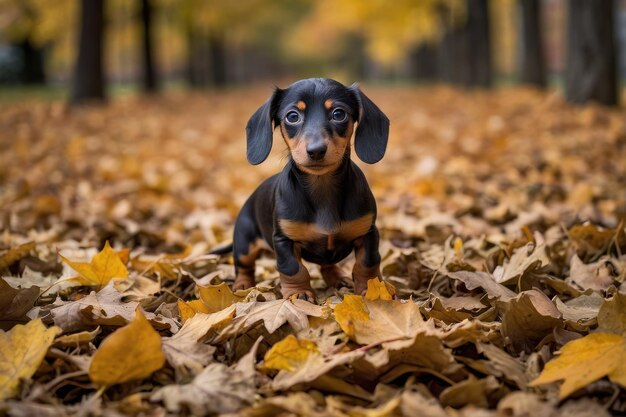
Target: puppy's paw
{"points": [[305, 294], [360, 287], [243, 282]]}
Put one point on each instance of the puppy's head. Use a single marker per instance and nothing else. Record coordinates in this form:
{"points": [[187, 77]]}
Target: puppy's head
{"points": [[316, 118]]}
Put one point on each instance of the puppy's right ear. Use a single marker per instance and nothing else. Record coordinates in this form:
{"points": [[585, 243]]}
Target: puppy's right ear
{"points": [[260, 129]]}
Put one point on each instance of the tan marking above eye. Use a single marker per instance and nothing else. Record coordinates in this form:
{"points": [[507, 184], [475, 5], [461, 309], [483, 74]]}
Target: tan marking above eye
{"points": [[301, 105], [347, 230], [328, 104]]}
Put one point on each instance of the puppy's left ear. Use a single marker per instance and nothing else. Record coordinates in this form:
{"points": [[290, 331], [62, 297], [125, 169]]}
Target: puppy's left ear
{"points": [[259, 130], [372, 133]]}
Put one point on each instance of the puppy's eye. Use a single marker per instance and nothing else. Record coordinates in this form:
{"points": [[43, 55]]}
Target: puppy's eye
{"points": [[292, 117], [339, 115]]}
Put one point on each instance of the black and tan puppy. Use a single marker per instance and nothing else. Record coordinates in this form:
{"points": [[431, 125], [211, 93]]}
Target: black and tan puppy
{"points": [[320, 207]]}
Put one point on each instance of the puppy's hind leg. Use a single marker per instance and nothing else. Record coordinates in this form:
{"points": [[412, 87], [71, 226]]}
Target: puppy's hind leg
{"points": [[247, 246]]}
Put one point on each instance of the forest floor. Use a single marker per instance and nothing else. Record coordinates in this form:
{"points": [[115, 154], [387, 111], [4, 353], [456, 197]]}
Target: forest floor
{"points": [[502, 218]]}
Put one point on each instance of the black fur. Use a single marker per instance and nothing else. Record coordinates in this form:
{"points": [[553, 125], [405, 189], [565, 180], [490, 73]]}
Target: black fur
{"points": [[370, 140], [259, 130]]}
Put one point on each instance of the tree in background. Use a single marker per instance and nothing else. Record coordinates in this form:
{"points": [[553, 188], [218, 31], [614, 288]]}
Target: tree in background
{"points": [[24, 19], [385, 32], [591, 63], [88, 79], [465, 46], [477, 51], [149, 79], [532, 64]]}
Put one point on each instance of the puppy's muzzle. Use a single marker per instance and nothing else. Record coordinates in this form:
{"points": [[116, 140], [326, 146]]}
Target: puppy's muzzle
{"points": [[316, 150]]}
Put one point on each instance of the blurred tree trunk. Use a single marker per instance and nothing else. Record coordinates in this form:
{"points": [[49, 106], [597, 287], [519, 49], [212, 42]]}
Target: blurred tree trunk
{"points": [[196, 72], [33, 68], [88, 78], [532, 66], [451, 56], [355, 58], [464, 53], [216, 46], [150, 80], [477, 50], [591, 66], [423, 62]]}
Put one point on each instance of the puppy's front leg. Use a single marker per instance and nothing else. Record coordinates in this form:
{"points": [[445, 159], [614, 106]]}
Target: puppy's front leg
{"points": [[294, 277], [367, 265]]}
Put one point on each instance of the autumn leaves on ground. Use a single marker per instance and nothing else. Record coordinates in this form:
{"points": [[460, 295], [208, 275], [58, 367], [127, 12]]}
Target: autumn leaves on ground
{"points": [[502, 236]]}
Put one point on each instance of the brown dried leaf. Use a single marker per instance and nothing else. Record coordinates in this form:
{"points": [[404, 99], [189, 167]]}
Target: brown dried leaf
{"points": [[529, 318]]}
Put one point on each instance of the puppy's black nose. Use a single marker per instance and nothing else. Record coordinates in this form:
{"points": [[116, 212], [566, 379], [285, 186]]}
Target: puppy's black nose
{"points": [[316, 150]]}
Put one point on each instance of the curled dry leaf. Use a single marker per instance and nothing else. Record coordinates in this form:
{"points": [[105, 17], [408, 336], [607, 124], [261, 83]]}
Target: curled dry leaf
{"points": [[129, 353], [186, 349], [15, 303], [217, 297], [471, 391], [612, 315], [289, 353], [596, 276], [529, 318], [22, 350], [217, 389], [379, 290], [77, 339], [188, 309], [473, 280], [580, 309], [102, 308], [529, 258], [15, 254]]}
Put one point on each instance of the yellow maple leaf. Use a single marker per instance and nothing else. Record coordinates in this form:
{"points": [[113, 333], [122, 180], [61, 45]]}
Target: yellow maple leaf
{"points": [[131, 352], [21, 352], [350, 310], [188, 309], [378, 321], [289, 354], [105, 266], [585, 360], [379, 290], [218, 297]]}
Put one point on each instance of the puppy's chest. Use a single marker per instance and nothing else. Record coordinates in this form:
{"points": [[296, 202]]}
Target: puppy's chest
{"points": [[326, 230]]}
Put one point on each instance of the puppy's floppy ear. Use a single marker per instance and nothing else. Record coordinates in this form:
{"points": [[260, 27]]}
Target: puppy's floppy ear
{"points": [[372, 133], [260, 129]]}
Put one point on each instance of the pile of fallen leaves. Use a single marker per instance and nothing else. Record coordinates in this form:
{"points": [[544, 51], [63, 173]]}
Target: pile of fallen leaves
{"points": [[502, 218]]}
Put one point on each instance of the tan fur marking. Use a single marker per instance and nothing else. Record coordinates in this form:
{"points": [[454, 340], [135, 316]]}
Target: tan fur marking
{"points": [[349, 230], [254, 250], [328, 104], [354, 228], [301, 105], [300, 231]]}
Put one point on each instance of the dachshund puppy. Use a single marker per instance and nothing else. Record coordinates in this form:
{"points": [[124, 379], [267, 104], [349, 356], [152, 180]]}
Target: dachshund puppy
{"points": [[320, 207]]}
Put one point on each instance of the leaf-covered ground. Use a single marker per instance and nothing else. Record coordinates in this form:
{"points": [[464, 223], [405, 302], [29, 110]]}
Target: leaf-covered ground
{"points": [[502, 225]]}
